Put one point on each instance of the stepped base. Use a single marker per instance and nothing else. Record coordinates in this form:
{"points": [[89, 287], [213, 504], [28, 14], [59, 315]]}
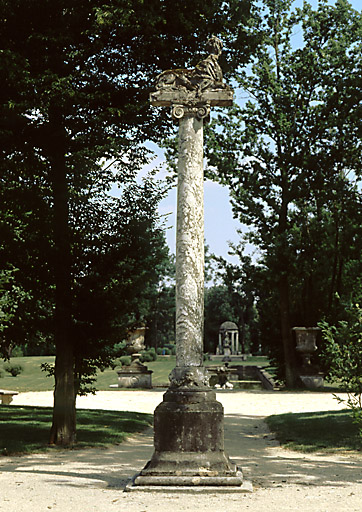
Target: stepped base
{"points": [[189, 484], [189, 446]]}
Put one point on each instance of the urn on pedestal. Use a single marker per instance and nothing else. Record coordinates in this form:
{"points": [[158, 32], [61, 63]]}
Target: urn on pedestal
{"points": [[306, 345], [137, 375]]}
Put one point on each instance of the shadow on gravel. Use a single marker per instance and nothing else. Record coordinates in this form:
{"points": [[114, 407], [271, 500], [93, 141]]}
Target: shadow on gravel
{"points": [[247, 441], [106, 468], [250, 445]]}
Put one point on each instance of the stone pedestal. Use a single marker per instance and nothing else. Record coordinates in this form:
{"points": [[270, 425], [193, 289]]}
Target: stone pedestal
{"points": [[136, 375], [189, 443], [312, 381]]}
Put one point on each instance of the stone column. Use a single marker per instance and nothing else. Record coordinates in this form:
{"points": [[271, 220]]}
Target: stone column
{"points": [[189, 424]]}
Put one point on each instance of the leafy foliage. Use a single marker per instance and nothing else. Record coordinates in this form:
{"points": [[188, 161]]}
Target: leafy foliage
{"points": [[13, 369], [290, 154], [218, 309], [343, 353], [161, 317], [12, 297]]}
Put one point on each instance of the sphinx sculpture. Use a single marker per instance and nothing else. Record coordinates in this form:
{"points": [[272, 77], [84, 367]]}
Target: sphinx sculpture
{"points": [[201, 85], [206, 75]]}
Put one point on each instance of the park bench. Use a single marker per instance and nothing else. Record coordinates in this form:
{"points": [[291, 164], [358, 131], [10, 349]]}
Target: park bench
{"points": [[7, 396]]}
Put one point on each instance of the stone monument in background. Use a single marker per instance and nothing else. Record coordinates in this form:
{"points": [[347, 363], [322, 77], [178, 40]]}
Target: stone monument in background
{"points": [[228, 335], [189, 423], [136, 375], [306, 344]]}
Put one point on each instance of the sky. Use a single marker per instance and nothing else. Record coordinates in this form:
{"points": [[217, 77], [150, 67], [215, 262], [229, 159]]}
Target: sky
{"points": [[220, 226]]}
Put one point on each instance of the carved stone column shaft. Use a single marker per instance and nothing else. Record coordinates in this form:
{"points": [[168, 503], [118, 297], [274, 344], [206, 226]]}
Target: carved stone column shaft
{"points": [[190, 244]]}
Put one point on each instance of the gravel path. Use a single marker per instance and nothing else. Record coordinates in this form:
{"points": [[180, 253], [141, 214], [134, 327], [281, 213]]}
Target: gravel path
{"points": [[93, 480]]}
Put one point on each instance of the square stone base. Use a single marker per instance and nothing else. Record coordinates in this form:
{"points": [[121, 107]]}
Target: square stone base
{"points": [[189, 451], [135, 379]]}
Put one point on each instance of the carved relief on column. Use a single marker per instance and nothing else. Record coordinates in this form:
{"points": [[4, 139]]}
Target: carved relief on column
{"points": [[189, 371]]}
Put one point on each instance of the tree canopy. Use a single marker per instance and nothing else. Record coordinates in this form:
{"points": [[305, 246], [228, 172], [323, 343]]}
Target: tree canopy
{"points": [[291, 155], [75, 94]]}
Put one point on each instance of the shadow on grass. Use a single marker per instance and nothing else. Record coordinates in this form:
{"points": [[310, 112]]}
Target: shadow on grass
{"points": [[25, 429], [327, 431]]}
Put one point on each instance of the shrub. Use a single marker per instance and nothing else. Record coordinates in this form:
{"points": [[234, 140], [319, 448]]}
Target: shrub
{"points": [[1, 374], [343, 354], [17, 352], [125, 360], [171, 347], [146, 357], [159, 351], [13, 369], [152, 353], [113, 364]]}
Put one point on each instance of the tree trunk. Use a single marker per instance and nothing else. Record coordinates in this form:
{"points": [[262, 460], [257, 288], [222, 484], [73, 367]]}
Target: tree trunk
{"points": [[64, 417], [286, 333]]}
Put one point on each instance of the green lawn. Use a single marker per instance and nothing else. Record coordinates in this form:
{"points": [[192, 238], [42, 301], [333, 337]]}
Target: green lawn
{"points": [[33, 379], [26, 429], [326, 431]]}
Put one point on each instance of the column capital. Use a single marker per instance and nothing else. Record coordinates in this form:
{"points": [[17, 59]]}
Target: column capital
{"points": [[214, 98], [188, 103], [199, 110]]}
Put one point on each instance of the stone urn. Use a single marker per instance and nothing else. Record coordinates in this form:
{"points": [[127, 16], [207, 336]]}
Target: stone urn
{"points": [[306, 338], [306, 345], [137, 375], [136, 341]]}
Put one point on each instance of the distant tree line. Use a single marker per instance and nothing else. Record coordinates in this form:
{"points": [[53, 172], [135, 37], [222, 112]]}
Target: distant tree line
{"points": [[291, 154]]}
